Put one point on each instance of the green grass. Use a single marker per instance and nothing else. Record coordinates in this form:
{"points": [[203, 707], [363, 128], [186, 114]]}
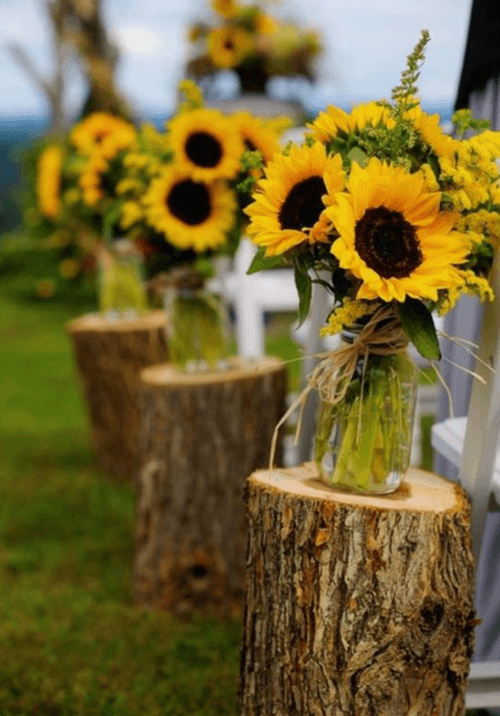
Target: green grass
{"points": [[426, 423], [71, 641]]}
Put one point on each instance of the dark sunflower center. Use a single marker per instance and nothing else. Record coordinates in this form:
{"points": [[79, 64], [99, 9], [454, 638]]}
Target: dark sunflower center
{"points": [[249, 145], [228, 45], [203, 149], [99, 136], [387, 243], [303, 206], [189, 201]]}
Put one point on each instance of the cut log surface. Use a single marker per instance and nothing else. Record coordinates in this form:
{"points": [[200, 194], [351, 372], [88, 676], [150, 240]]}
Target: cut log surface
{"points": [[110, 356], [356, 605], [202, 435]]}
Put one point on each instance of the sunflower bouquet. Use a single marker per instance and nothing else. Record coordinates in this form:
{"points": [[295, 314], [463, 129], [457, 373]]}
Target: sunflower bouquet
{"points": [[76, 184], [179, 202], [253, 44], [396, 220]]}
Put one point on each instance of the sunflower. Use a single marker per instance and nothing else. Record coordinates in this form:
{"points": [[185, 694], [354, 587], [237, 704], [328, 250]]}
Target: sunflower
{"points": [[431, 133], [191, 214], [328, 124], [334, 121], [229, 46], [370, 114], [226, 8], [393, 236], [257, 135], [290, 208], [265, 24], [48, 181], [206, 144], [103, 134]]}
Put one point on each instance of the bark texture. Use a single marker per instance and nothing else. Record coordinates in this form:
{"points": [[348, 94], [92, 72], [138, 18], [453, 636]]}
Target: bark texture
{"points": [[110, 356], [202, 435], [356, 605]]}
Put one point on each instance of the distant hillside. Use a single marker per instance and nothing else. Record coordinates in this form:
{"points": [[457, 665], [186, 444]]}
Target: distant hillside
{"points": [[15, 136]]}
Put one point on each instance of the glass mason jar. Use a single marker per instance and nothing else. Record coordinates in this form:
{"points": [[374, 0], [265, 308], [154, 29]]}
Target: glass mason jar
{"points": [[363, 443], [197, 323], [122, 289]]}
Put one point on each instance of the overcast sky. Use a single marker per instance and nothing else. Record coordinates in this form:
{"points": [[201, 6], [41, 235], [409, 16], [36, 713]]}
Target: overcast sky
{"points": [[367, 42]]}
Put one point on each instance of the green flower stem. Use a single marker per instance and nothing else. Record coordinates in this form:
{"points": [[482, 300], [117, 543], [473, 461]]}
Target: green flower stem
{"points": [[373, 432], [196, 331], [122, 288], [356, 456], [326, 419]]}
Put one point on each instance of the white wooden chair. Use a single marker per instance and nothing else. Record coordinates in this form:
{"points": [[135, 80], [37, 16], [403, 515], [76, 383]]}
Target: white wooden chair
{"points": [[253, 296], [472, 445]]}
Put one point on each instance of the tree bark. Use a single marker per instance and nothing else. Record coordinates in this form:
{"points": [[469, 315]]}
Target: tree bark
{"points": [[356, 605], [202, 435], [87, 34], [110, 356]]}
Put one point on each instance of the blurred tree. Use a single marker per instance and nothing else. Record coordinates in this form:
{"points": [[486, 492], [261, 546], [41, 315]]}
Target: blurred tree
{"points": [[77, 29], [87, 36], [52, 87]]}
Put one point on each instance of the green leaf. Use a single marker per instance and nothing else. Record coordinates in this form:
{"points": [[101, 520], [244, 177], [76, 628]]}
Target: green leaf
{"points": [[304, 288], [260, 262], [446, 199], [358, 155], [110, 219], [434, 164], [418, 325]]}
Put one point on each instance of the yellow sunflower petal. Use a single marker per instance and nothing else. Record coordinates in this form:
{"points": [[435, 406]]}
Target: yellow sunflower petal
{"points": [[191, 214], [206, 144], [289, 207], [103, 134], [257, 135], [393, 236], [229, 45]]}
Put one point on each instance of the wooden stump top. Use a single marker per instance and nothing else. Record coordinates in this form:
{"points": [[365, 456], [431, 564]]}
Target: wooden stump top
{"points": [[356, 604], [167, 375], [96, 322], [420, 492]]}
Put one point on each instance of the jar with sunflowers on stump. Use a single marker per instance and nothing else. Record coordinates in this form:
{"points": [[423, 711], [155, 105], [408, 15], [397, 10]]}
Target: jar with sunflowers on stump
{"points": [[403, 220]]}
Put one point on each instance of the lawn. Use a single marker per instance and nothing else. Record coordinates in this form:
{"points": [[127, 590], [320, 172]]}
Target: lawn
{"points": [[71, 641]]}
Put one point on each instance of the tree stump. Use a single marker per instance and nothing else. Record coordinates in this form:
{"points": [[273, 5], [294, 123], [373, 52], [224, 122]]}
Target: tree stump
{"points": [[110, 356], [356, 605], [202, 435]]}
